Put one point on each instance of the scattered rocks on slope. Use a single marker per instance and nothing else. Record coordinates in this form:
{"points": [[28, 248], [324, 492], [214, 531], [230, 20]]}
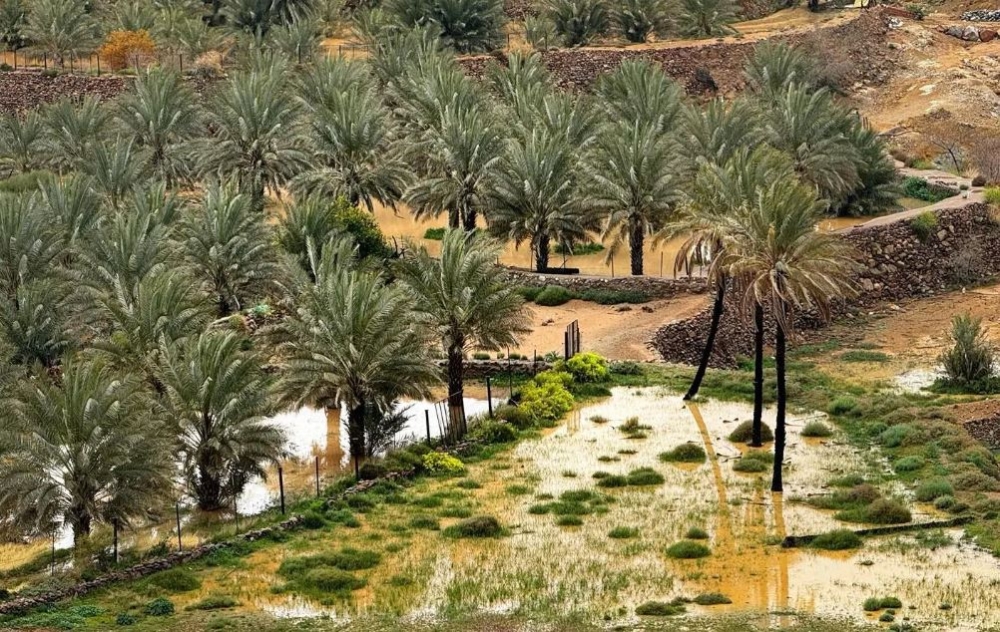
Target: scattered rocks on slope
{"points": [[983, 15]]}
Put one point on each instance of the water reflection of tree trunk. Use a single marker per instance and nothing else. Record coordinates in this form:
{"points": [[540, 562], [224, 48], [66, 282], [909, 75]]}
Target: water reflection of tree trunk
{"points": [[723, 533], [573, 422], [777, 502], [334, 456]]}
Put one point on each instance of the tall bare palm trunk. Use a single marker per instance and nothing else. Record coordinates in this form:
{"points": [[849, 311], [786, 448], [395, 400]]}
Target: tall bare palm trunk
{"points": [[542, 254], [456, 396], [757, 438], [779, 422], [636, 239], [717, 309], [356, 435]]}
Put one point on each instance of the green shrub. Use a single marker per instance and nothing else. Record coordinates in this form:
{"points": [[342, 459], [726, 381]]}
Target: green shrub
{"points": [[969, 361], [750, 466], [518, 490], [837, 540], [744, 433], [587, 248], [613, 480], [712, 599], [214, 602], [553, 296], [435, 234], [921, 189], [614, 297], [428, 523], [685, 453], [644, 476], [125, 618], [623, 533], [864, 355], [481, 355], [515, 416], [872, 604], [931, 490], [974, 481], [545, 399], [478, 527], [924, 225], [528, 293], [895, 436], [493, 432], [891, 602], [843, 405], [880, 511], [816, 429], [362, 226], [847, 480], [25, 182], [331, 580], [688, 550], [176, 580], [944, 503], [909, 464], [696, 533], [468, 26], [992, 195], [441, 462], [887, 617], [312, 520], [659, 609], [588, 367], [159, 607], [626, 367], [569, 521]]}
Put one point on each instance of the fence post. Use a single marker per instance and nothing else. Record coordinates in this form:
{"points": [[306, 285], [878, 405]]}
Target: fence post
{"points": [[177, 512], [71, 56], [180, 62], [510, 377], [661, 265], [317, 477], [45, 61], [98, 64], [427, 422], [489, 396], [281, 488], [114, 526], [53, 571]]}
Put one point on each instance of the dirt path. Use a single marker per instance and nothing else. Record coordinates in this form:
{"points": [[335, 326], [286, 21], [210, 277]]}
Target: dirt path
{"points": [[615, 334]]}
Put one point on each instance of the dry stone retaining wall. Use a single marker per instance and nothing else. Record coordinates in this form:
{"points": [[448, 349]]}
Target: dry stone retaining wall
{"points": [[898, 265], [25, 90], [653, 287]]}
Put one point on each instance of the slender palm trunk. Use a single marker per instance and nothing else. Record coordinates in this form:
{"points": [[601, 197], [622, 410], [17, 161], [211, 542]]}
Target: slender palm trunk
{"points": [[209, 486], [456, 394], [542, 254], [469, 219], [356, 435], [81, 520], [637, 236], [757, 439], [454, 218], [779, 422], [706, 354]]}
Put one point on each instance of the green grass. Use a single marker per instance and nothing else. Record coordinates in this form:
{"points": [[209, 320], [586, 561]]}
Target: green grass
{"points": [[712, 599], [688, 550], [838, 540], [477, 527], [744, 433], [924, 225], [659, 609], [750, 466], [613, 480], [623, 533], [215, 602], [644, 476], [176, 580], [435, 234], [932, 489], [862, 355], [696, 533], [685, 453], [816, 429], [569, 521]]}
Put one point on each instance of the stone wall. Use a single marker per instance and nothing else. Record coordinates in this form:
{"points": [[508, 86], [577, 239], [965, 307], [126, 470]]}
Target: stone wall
{"points": [[654, 287], [25, 90], [985, 430], [481, 369], [898, 265]]}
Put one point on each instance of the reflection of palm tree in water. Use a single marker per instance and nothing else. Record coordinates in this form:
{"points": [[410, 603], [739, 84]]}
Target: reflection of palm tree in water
{"points": [[723, 532], [777, 502]]}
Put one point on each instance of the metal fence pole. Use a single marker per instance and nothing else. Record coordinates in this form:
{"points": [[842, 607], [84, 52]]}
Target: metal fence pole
{"points": [[427, 422], [317, 477], [177, 512], [281, 488], [489, 396]]}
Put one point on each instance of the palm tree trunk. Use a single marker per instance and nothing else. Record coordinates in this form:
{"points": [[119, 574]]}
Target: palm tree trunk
{"points": [[470, 220], [636, 238], [757, 439], [209, 486], [454, 218], [456, 394], [356, 435], [706, 354], [542, 253], [80, 519], [779, 422]]}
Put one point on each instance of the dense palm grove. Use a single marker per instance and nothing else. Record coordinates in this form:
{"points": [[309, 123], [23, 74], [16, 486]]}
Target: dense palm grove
{"points": [[176, 267]]}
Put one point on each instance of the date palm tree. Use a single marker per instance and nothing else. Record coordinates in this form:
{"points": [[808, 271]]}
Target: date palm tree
{"points": [[640, 92], [115, 168], [468, 26], [352, 148], [219, 398], [73, 206], [227, 245], [785, 264], [89, 449], [715, 132], [71, 129], [31, 247], [21, 140], [255, 135], [462, 300], [37, 323], [707, 18], [306, 227], [160, 114], [534, 196], [775, 66], [352, 342], [60, 28]]}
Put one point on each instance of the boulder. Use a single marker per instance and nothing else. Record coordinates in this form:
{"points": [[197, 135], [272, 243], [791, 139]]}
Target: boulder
{"points": [[954, 31], [987, 35], [970, 34]]}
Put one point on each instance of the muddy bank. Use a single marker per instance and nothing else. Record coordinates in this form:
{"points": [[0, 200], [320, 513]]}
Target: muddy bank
{"points": [[898, 264]]}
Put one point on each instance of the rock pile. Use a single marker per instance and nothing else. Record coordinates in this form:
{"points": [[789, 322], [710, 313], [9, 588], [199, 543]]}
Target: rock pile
{"points": [[970, 33], [982, 15], [985, 430], [21, 91]]}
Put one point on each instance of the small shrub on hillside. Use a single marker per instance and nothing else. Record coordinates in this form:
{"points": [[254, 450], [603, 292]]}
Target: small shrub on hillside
{"points": [[553, 296], [623, 533], [159, 607], [696, 533], [214, 602], [992, 195], [478, 527], [969, 361], [744, 433], [712, 599], [842, 405], [644, 476], [838, 540], [931, 490], [688, 550], [578, 21], [895, 436], [441, 462], [588, 367], [685, 453], [921, 189], [435, 234], [816, 429], [125, 618], [974, 481], [125, 49], [909, 464], [659, 609], [924, 225], [529, 294], [176, 580]]}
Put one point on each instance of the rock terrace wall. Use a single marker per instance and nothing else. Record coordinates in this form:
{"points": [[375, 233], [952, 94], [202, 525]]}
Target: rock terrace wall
{"points": [[25, 90], [654, 287]]}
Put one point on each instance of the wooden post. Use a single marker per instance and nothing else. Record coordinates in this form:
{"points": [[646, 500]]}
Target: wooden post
{"points": [[489, 396], [98, 64], [45, 61], [114, 526], [317, 477], [612, 267], [180, 63], [281, 488], [661, 264], [510, 377], [53, 572], [427, 423], [177, 512]]}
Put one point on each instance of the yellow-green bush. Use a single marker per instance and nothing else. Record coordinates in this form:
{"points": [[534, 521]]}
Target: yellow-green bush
{"points": [[588, 367], [441, 462], [546, 398]]}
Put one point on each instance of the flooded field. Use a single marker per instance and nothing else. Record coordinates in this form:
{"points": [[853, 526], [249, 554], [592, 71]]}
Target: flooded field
{"points": [[541, 568]]}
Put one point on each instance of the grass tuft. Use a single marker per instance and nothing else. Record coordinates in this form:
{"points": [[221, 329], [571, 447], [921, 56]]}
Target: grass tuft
{"points": [[659, 609], [685, 453], [816, 429], [838, 540], [477, 527], [712, 599], [744, 433], [623, 533], [696, 533], [688, 550]]}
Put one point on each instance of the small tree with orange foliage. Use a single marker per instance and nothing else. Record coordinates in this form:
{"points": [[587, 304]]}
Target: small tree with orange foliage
{"points": [[127, 48]]}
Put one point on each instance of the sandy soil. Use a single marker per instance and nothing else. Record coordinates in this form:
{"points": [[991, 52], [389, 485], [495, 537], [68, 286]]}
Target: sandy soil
{"points": [[615, 334]]}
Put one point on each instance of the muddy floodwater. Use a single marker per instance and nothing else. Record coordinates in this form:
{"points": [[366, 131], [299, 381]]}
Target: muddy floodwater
{"points": [[541, 568]]}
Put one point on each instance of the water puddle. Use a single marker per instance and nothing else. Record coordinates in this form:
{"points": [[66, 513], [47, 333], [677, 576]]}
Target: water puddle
{"points": [[916, 380]]}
